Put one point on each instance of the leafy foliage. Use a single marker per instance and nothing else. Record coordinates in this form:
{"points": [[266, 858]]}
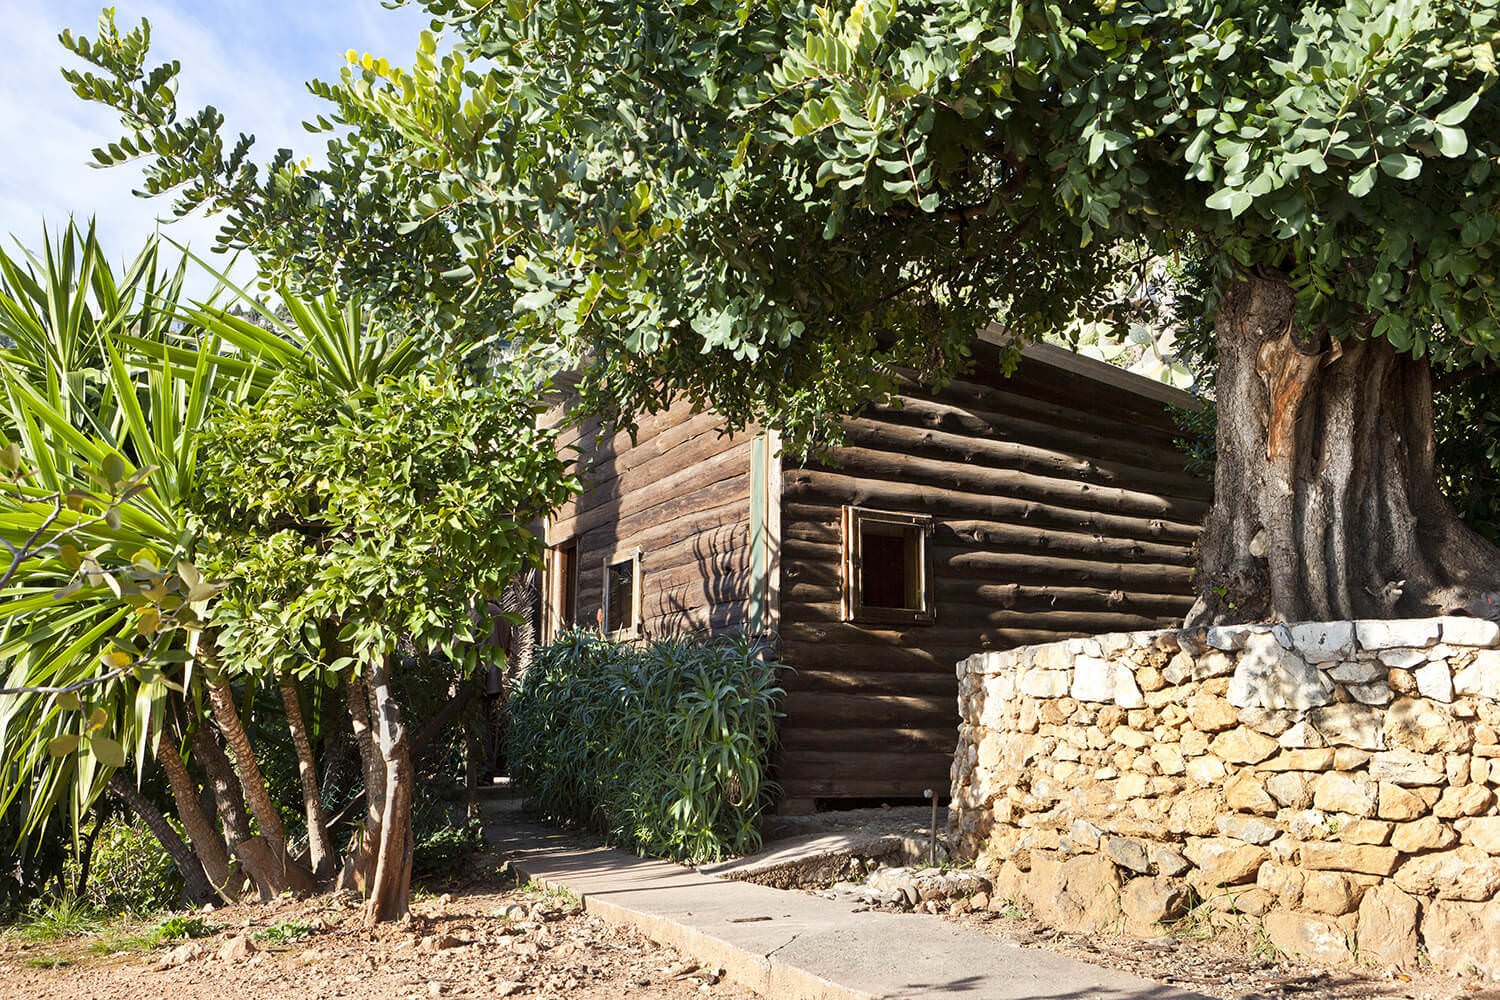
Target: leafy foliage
{"points": [[129, 872], [348, 518], [766, 206], [664, 748]]}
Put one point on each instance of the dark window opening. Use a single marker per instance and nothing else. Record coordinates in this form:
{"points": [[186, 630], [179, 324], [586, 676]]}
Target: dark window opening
{"points": [[619, 596], [888, 573], [567, 583]]}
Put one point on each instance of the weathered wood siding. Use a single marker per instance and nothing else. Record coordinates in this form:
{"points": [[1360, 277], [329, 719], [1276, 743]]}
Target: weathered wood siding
{"points": [[1060, 508], [681, 494]]}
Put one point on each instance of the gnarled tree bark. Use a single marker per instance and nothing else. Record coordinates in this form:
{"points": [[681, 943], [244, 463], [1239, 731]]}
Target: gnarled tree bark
{"points": [[1326, 498], [390, 890], [229, 801]]}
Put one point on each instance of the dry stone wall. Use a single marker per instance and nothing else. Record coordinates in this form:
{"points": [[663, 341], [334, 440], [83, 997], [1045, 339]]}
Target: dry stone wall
{"points": [[1334, 782]]}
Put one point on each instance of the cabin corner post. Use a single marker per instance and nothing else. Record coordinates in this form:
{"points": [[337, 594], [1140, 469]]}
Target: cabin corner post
{"points": [[765, 532]]}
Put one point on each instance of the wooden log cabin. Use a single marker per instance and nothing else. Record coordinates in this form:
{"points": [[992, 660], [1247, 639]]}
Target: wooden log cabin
{"points": [[992, 513]]}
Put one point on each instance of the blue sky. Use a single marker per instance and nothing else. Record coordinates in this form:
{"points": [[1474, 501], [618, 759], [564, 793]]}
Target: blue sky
{"points": [[248, 59]]}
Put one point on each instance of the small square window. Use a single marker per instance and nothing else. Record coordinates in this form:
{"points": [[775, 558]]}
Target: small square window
{"points": [[886, 575], [622, 595]]}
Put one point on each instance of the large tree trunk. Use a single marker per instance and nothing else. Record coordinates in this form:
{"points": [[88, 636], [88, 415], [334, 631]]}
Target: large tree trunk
{"points": [[319, 846], [390, 890], [254, 786], [1326, 500], [207, 843], [359, 866], [196, 888]]}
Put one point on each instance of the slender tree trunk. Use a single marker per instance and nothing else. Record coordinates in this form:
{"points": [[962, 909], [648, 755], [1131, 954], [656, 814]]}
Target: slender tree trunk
{"points": [[359, 866], [390, 890], [207, 843], [196, 888], [86, 854], [319, 846], [254, 787], [1326, 497], [229, 801]]}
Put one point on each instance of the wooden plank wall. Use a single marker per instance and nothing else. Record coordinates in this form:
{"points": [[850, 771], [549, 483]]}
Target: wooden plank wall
{"points": [[1061, 508], [681, 493]]}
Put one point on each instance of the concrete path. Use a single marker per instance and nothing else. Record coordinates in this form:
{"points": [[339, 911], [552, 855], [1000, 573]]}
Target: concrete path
{"points": [[795, 946]]}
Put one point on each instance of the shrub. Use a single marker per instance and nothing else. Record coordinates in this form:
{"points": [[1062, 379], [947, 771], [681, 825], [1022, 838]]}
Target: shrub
{"points": [[663, 748], [129, 872]]}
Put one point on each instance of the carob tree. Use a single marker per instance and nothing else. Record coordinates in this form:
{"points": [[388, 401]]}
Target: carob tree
{"points": [[767, 207]]}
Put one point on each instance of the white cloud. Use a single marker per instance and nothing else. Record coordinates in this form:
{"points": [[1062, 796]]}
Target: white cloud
{"points": [[248, 59]]}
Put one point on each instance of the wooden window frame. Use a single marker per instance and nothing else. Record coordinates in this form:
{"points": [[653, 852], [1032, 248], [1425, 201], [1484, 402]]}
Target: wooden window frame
{"points": [[555, 595], [633, 630], [854, 610]]}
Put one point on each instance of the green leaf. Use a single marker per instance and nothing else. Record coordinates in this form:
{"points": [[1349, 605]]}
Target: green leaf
{"points": [[1402, 166], [61, 746], [1362, 182], [107, 751], [1451, 141]]}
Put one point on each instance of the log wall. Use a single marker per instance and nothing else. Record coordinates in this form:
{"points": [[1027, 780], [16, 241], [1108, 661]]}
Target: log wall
{"points": [[680, 492], [1061, 508]]}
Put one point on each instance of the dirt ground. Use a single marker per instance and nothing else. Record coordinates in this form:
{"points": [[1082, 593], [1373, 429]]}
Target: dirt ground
{"points": [[1230, 965], [482, 936]]}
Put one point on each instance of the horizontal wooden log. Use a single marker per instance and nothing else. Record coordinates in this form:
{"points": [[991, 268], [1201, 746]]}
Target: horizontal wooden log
{"points": [[730, 484], [1015, 597], [1101, 444], [978, 617], [699, 462], [863, 640], [855, 680], [664, 534], [1052, 396], [828, 488], [941, 741], [926, 765], [816, 708], [871, 463], [929, 442]]}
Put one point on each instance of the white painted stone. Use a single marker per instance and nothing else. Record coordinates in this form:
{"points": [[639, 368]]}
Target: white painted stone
{"points": [[1435, 681], [1093, 679], [1126, 691], [1358, 672], [1322, 642], [1482, 677], [1463, 631], [1404, 659], [1044, 683], [1391, 634], [1271, 677], [1226, 637]]}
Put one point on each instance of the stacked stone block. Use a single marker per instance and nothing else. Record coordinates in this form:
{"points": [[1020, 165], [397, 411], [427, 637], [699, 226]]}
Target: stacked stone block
{"points": [[1335, 781]]}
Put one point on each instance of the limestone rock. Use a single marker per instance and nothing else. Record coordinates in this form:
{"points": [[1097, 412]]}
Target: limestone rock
{"points": [[1397, 803], [1214, 663], [1128, 853], [1482, 677], [1285, 882], [1406, 768], [1333, 893], [1206, 770], [1462, 873], [1271, 677], [1195, 812], [1243, 746], [1468, 800], [1403, 659], [237, 948], [1364, 858], [1426, 834], [1264, 721], [1301, 735], [1079, 895], [1210, 713], [1483, 833], [1378, 693], [1244, 793], [1388, 927], [1459, 936], [1093, 679], [1366, 831], [1358, 672], [1320, 642], [1420, 725], [1350, 726], [1308, 824], [1315, 937], [1250, 829], [1344, 793], [1435, 680], [1290, 789], [1459, 630], [1148, 901], [1168, 860], [1223, 862], [1044, 683], [1420, 632], [1300, 760]]}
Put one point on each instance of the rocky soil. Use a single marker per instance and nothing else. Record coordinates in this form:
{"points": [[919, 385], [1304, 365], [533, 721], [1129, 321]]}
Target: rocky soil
{"points": [[483, 937]]}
